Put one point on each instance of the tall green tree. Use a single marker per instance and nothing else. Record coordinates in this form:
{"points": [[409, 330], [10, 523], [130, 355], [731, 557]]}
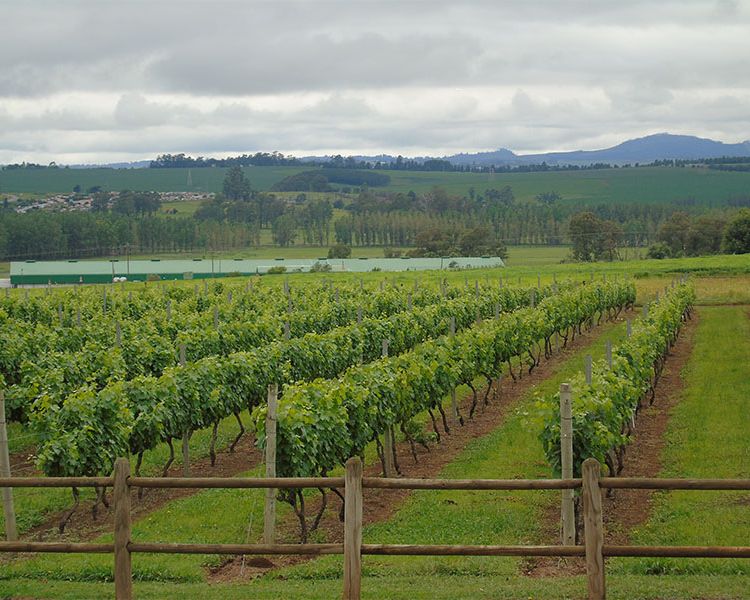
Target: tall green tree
{"points": [[284, 229], [737, 234], [583, 230], [236, 186]]}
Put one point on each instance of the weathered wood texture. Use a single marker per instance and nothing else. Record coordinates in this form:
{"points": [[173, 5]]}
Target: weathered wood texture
{"points": [[269, 511], [9, 513], [121, 499], [353, 530], [593, 529], [567, 508]]}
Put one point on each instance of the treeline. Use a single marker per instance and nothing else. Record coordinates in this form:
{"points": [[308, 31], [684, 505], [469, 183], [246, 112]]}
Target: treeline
{"points": [[259, 159], [685, 235], [395, 219], [400, 163], [59, 235], [681, 234], [319, 180]]}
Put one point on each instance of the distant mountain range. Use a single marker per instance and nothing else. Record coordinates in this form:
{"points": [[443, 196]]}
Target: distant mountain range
{"points": [[660, 146]]}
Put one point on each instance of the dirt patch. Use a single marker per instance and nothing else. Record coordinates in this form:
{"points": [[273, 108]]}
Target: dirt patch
{"points": [[380, 505], [625, 510]]}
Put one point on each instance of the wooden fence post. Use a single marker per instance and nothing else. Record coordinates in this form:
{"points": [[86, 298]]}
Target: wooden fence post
{"points": [[567, 512], [11, 532], [588, 364], [269, 513], [593, 529], [353, 529], [121, 499]]}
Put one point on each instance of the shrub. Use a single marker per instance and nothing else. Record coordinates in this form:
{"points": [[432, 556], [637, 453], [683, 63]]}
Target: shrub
{"points": [[659, 250], [320, 267], [340, 251]]}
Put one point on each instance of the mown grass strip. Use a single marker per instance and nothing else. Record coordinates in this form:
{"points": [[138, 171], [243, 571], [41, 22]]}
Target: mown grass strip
{"points": [[707, 437], [397, 587]]}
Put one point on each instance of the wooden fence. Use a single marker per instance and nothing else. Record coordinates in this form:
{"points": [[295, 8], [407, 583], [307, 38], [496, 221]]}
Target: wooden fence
{"points": [[594, 550]]}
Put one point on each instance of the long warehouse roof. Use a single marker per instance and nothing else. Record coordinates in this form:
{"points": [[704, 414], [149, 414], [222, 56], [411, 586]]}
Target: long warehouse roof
{"points": [[225, 266]]}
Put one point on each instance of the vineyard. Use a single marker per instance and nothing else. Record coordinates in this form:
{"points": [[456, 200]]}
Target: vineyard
{"points": [[391, 373]]}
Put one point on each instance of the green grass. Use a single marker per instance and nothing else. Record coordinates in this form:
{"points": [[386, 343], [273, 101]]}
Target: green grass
{"points": [[707, 437], [179, 208], [397, 587], [642, 185], [158, 180], [20, 438]]}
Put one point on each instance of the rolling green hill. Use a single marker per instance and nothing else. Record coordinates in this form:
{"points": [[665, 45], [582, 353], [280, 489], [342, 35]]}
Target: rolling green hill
{"points": [[647, 184]]}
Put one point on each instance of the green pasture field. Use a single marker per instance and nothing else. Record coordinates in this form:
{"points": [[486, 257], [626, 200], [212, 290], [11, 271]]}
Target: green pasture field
{"points": [[157, 180], [665, 185]]}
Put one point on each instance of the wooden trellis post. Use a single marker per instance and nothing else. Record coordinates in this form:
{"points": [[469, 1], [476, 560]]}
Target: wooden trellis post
{"points": [[389, 465], [566, 459], [186, 433], [11, 532], [269, 513]]}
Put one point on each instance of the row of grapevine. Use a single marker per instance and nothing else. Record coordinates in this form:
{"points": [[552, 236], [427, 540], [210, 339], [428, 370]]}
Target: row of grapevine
{"points": [[84, 433], [32, 368], [134, 303], [321, 424], [604, 412], [149, 340]]}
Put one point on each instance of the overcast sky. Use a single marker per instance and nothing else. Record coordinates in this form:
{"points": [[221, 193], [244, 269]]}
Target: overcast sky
{"points": [[116, 80]]}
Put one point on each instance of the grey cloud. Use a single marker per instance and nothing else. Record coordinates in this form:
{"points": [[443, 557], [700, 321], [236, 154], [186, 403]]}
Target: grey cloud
{"points": [[240, 76], [318, 62]]}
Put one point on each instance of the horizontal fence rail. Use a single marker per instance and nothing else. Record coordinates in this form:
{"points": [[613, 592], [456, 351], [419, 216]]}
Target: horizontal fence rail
{"points": [[591, 485]]}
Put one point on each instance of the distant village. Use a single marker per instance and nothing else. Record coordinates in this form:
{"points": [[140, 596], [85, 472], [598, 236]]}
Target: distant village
{"points": [[82, 202]]}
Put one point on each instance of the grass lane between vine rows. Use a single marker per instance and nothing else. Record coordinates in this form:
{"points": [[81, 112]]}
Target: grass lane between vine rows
{"points": [[707, 437]]}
